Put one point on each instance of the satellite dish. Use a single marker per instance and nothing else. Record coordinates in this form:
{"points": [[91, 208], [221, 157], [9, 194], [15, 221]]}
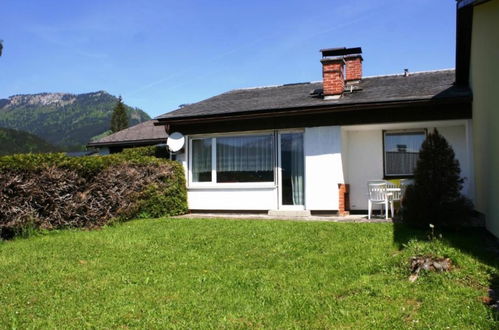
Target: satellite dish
{"points": [[175, 141]]}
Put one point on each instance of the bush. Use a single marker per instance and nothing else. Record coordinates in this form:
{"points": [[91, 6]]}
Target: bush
{"points": [[435, 198], [150, 151], [156, 201], [53, 191]]}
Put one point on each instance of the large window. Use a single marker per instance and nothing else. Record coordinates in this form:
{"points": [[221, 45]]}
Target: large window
{"points": [[245, 158], [402, 152]]}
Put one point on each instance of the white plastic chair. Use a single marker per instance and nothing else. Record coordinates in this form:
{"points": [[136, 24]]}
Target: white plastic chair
{"points": [[394, 191], [403, 186], [378, 195]]}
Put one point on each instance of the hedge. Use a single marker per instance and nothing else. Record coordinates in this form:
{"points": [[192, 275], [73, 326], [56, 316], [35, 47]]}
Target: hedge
{"points": [[54, 191]]}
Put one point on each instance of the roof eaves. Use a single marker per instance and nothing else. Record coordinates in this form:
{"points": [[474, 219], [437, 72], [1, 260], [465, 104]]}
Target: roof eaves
{"points": [[125, 143], [465, 3], [430, 100]]}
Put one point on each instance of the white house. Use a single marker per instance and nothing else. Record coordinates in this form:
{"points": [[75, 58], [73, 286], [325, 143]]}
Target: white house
{"points": [[313, 146]]}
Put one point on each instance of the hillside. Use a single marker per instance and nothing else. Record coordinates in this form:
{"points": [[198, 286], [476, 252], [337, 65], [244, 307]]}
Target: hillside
{"points": [[66, 120], [14, 142]]}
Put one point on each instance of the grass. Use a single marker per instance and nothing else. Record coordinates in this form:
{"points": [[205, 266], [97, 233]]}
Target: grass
{"points": [[200, 273]]}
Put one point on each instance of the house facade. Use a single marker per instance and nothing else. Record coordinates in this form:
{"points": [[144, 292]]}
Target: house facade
{"points": [[314, 146], [477, 66]]}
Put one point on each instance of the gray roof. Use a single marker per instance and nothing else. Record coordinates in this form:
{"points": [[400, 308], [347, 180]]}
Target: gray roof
{"points": [[464, 3], [417, 86], [143, 133]]}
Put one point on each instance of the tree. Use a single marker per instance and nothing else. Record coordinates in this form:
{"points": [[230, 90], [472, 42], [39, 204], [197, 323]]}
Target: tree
{"points": [[119, 119], [1, 47], [435, 198]]}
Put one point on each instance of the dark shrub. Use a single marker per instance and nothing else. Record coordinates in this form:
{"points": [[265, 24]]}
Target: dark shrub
{"points": [[435, 198], [151, 151], [53, 191]]}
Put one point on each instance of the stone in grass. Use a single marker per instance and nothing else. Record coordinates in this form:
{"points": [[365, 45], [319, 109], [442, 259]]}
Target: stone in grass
{"points": [[428, 263], [492, 300]]}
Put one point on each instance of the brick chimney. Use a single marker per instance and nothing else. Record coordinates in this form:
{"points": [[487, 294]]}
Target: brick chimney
{"points": [[353, 65], [339, 67], [333, 77]]}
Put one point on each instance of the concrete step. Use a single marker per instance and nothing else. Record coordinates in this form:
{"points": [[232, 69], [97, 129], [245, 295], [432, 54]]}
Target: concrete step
{"points": [[289, 213]]}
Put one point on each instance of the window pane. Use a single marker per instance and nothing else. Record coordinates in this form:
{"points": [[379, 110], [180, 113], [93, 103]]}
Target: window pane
{"points": [[201, 160], [402, 152], [245, 159], [292, 169]]}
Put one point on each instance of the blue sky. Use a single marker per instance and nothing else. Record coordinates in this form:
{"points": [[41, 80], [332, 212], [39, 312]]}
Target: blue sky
{"points": [[159, 54]]}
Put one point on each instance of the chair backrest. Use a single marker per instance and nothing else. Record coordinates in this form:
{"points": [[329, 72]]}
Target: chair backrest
{"points": [[406, 182], [403, 185], [395, 186], [391, 185], [376, 190]]}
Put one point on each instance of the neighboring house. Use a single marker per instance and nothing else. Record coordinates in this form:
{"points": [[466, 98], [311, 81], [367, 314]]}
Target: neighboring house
{"points": [[477, 66], [143, 134], [314, 146]]}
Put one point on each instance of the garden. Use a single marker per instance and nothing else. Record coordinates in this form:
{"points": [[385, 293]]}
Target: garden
{"points": [[214, 273], [93, 242]]}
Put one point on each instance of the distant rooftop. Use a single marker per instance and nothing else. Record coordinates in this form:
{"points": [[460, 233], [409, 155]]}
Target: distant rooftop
{"points": [[144, 133]]}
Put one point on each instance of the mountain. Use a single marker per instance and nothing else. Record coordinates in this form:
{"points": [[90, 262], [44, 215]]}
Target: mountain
{"points": [[68, 121], [15, 142]]}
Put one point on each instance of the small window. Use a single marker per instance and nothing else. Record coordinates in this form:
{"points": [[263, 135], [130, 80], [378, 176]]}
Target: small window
{"points": [[402, 152]]}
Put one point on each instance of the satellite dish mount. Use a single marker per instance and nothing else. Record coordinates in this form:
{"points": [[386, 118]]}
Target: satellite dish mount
{"points": [[175, 142]]}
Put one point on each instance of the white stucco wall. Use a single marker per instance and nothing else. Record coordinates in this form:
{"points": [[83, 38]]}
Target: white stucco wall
{"points": [[233, 199], [323, 172], [364, 154], [333, 155], [484, 83], [323, 167], [364, 160]]}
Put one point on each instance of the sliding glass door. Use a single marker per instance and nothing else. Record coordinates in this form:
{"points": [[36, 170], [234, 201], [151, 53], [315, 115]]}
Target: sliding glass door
{"points": [[292, 171]]}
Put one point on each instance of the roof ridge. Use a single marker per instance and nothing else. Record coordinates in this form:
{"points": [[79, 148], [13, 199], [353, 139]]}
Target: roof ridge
{"points": [[319, 81], [410, 73], [271, 86]]}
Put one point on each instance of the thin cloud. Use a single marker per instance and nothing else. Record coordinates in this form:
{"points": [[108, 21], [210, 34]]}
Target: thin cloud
{"points": [[367, 8], [59, 37]]}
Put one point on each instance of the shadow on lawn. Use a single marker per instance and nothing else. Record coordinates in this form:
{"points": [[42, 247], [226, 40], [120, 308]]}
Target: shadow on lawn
{"points": [[474, 241]]}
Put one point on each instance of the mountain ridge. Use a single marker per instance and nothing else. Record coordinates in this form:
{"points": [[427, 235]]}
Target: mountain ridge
{"points": [[66, 120], [14, 141]]}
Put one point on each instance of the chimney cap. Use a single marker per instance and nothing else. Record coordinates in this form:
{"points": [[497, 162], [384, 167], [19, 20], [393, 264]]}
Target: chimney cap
{"points": [[342, 51]]}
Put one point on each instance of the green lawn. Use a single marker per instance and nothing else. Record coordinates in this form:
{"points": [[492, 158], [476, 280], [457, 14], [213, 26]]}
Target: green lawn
{"points": [[201, 273]]}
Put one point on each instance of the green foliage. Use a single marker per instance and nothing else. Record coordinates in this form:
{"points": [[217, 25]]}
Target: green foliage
{"points": [[86, 191], [435, 198], [156, 202], [119, 120], [14, 142], [100, 136], [238, 274], [70, 122], [152, 151], [85, 166], [149, 151]]}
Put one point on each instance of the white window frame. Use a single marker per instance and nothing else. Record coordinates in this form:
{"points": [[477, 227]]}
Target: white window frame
{"points": [[424, 131], [229, 185], [279, 171]]}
